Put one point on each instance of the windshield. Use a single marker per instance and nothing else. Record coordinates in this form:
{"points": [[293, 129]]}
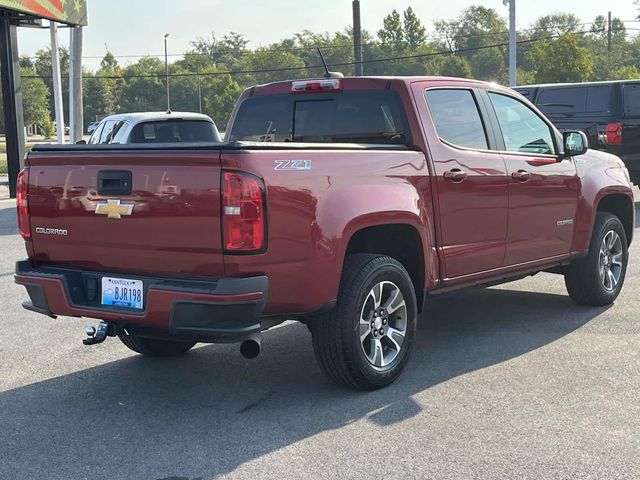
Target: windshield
{"points": [[370, 116], [180, 131]]}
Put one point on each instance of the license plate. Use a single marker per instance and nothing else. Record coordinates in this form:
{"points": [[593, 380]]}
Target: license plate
{"points": [[122, 292]]}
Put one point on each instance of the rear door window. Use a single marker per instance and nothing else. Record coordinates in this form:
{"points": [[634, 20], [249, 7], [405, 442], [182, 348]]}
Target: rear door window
{"points": [[456, 117], [632, 99], [562, 100], [598, 99], [522, 129], [366, 116]]}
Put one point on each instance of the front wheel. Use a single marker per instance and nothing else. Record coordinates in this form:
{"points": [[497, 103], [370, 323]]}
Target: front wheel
{"points": [[365, 343], [597, 279], [155, 348]]}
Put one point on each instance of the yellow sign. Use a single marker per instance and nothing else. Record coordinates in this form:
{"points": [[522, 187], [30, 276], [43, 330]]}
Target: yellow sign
{"points": [[114, 210], [72, 12]]}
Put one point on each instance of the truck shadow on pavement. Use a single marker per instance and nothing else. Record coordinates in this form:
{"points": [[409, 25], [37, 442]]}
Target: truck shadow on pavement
{"points": [[212, 411], [8, 220]]}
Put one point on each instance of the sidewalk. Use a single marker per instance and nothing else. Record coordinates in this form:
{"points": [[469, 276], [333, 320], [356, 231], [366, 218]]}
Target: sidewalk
{"points": [[4, 187]]}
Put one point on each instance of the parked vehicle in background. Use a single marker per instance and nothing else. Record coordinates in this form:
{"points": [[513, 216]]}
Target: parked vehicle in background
{"points": [[92, 126], [155, 127], [342, 203], [608, 112]]}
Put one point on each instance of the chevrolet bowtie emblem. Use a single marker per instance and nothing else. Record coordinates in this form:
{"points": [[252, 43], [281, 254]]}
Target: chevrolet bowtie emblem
{"points": [[114, 210]]}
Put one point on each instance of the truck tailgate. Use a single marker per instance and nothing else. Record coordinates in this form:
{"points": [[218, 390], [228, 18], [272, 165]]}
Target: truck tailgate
{"points": [[169, 223]]}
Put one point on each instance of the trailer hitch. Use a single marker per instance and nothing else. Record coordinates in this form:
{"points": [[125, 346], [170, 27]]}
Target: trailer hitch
{"points": [[105, 329]]}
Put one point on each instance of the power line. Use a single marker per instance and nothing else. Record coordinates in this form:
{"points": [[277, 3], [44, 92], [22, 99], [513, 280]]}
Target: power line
{"points": [[311, 67], [346, 45]]}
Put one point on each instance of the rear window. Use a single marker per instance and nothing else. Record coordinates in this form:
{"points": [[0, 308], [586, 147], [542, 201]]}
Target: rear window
{"points": [[632, 99], [184, 131], [368, 116], [562, 100]]}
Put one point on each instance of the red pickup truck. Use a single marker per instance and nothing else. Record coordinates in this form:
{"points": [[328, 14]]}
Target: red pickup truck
{"points": [[342, 203]]}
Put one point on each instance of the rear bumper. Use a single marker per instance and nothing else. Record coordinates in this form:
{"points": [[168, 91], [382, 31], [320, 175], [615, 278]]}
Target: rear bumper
{"points": [[223, 310]]}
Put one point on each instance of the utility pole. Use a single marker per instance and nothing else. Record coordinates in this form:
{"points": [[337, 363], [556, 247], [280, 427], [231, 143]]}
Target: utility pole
{"points": [[57, 81], [12, 94], [166, 70], [609, 33], [199, 88], [76, 121], [357, 38], [512, 42]]}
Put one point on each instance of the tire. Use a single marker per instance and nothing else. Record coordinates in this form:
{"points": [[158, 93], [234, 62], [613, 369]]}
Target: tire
{"points": [[597, 279], [155, 348], [349, 355]]}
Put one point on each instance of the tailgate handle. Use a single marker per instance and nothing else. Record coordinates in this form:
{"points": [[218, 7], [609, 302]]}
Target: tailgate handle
{"points": [[114, 182]]}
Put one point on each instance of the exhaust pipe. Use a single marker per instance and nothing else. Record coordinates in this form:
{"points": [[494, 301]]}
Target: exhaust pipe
{"points": [[250, 348]]}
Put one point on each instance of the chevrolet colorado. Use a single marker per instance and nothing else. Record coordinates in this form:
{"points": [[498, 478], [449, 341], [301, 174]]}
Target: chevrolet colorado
{"points": [[342, 203]]}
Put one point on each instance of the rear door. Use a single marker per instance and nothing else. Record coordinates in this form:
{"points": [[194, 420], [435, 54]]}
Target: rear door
{"points": [[543, 191], [470, 180], [165, 222]]}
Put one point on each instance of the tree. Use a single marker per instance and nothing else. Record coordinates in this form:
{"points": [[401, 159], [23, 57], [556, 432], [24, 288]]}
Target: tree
{"points": [[473, 33], [42, 66], [630, 72], [414, 32], [144, 89], [556, 24], [102, 92], [392, 33], [35, 98], [455, 66], [560, 60]]}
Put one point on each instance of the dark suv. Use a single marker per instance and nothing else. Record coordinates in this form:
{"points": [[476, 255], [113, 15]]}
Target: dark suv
{"points": [[608, 112]]}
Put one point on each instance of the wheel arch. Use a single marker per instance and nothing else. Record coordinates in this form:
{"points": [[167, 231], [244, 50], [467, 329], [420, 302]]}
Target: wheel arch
{"points": [[622, 207], [401, 241]]}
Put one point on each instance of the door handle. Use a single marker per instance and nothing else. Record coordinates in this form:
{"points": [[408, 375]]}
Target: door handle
{"points": [[456, 175], [521, 175], [114, 182]]}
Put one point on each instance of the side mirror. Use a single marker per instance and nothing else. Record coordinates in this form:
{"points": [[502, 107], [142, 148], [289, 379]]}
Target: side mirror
{"points": [[575, 143], [81, 142]]}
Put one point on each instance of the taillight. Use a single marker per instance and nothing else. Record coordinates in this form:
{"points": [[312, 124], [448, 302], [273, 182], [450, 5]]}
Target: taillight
{"points": [[22, 202], [614, 134], [317, 86], [243, 213]]}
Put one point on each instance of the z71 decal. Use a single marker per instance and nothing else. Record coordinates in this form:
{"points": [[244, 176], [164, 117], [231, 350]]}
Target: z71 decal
{"points": [[293, 165]]}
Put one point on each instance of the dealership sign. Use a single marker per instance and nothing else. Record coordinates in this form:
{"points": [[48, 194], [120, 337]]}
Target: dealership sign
{"points": [[73, 12]]}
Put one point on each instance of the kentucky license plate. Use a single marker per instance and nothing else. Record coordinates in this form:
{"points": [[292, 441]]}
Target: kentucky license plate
{"points": [[121, 292]]}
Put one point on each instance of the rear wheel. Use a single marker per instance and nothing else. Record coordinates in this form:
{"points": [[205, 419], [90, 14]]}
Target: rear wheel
{"points": [[155, 348], [365, 343], [597, 279]]}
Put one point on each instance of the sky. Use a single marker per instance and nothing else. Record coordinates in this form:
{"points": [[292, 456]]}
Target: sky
{"points": [[137, 27]]}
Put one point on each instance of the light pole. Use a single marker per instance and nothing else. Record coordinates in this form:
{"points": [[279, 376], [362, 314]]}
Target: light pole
{"points": [[166, 70], [357, 38]]}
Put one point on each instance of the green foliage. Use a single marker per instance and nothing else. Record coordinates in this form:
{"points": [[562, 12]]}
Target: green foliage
{"points": [[48, 129], [630, 72], [557, 47], [42, 66], [455, 66], [561, 60], [35, 99]]}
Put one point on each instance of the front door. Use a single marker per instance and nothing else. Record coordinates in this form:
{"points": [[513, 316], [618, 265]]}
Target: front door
{"points": [[470, 181], [543, 190]]}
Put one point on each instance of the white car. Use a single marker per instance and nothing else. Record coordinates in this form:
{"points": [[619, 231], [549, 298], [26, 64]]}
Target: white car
{"points": [[155, 127]]}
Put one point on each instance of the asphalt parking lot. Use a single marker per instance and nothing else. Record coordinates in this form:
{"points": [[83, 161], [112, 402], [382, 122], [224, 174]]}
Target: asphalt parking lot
{"points": [[512, 382]]}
